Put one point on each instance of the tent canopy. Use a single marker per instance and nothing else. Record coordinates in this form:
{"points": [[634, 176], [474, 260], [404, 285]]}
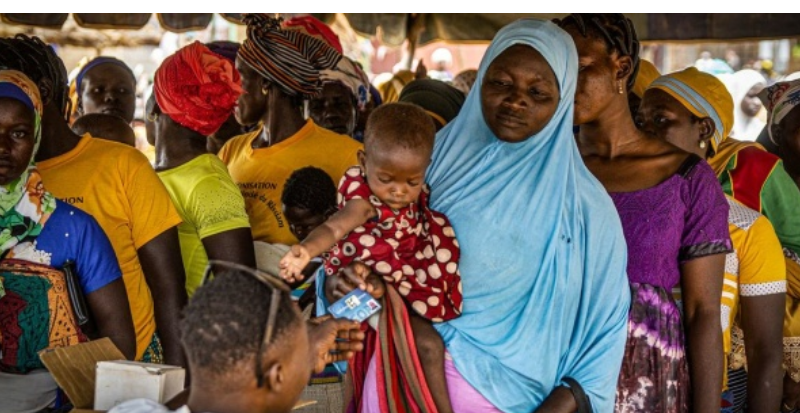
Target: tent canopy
{"points": [[458, 28]]}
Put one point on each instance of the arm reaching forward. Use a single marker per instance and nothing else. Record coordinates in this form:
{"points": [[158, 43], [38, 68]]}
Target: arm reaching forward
{"points": [[354, 214]]}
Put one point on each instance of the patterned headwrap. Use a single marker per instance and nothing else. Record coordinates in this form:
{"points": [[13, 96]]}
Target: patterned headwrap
{"points": [[25, 206], [702, 94], [289, 58], [780, 99], [349, 74], [197, 88], [313, 27]]}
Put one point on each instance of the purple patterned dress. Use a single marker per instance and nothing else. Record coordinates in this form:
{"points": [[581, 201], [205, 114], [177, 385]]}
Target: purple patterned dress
{"points": [[680, 219]]}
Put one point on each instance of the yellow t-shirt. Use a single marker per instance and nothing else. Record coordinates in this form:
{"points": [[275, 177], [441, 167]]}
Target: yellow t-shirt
{"points": [[755, 268], [117, 186], [209, 203], [261, 173]]}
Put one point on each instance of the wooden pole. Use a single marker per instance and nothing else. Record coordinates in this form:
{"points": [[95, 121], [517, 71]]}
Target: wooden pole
{"points": [[415, 25]]}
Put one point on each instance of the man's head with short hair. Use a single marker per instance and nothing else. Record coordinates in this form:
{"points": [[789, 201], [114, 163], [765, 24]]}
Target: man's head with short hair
{"points": [[103, 126], [221, 332]]}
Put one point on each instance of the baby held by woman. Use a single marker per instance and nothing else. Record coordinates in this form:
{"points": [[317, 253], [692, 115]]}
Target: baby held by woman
{"points": [[385, 223]]}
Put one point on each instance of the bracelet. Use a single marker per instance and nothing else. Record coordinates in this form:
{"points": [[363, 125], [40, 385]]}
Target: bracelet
{"points": [[581, 399]]}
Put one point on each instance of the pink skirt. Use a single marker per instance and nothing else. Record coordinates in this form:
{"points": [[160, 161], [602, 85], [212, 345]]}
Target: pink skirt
{"points": [[463, 397]]}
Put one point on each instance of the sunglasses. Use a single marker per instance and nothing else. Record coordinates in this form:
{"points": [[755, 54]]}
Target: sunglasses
{"points": [[274, 283]]}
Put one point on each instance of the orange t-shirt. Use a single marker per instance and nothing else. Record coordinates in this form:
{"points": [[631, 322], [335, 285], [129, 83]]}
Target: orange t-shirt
{"points": [[117, 186], [261, 173]]}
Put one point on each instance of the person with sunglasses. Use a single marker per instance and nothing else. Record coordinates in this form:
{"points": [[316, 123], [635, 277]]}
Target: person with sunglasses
{"points": [[248, 348]]}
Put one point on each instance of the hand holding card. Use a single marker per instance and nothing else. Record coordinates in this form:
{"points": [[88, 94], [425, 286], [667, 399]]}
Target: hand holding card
{"points": [[358, 305]]}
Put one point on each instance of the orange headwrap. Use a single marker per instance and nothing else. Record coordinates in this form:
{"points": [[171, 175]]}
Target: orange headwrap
{"points": [[197, 88]]}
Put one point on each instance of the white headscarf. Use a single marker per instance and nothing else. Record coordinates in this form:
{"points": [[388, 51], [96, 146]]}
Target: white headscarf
{"points": [[745, 128]]}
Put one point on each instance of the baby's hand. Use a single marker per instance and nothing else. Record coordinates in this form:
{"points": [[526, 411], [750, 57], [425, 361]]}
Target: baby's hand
{"points": [[377, 288], [293, 263]]}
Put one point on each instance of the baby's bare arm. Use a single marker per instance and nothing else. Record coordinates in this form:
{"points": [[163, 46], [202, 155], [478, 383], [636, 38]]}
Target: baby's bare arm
{"points": [[354, 214]]}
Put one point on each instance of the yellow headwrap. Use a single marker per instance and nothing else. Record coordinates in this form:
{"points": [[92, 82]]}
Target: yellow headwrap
{"points": [[647, 74], [704, 95], [390, 91]]}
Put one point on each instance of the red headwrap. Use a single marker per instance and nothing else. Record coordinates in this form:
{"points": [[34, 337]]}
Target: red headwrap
{"points": [[197, 88], [312, 26]]}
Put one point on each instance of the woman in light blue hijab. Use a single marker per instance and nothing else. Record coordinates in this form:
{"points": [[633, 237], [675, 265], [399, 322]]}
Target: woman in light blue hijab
{"points": [[543, 259], [543, 256]]}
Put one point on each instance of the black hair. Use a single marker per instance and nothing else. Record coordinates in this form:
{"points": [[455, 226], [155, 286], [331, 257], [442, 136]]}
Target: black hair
{"points": [[614, 29], [399, 125], [310, 188], [38, 61], [225, 319]]}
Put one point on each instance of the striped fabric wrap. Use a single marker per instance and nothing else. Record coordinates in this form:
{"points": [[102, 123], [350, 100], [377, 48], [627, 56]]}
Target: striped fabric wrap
{"points": [[400, 379], [289, 58]]}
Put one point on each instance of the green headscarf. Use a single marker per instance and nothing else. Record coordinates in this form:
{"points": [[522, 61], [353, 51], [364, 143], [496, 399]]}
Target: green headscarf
{"points": [[25, 205]]}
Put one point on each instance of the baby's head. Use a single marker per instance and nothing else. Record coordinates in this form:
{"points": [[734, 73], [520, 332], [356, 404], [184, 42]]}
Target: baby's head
{"points": [[105, 126], [398, 143], [309, 199]]}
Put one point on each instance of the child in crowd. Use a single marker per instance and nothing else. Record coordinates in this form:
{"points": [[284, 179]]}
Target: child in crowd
{"points": [[308, 199], [384, 221]]}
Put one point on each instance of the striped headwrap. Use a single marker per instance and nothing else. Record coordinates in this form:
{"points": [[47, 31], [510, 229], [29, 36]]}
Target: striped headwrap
{"points": [[702, 94], [314, 27], [289, 58]]}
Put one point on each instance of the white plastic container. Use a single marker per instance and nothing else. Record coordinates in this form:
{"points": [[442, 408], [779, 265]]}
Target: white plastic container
{"points": [[120, 381]]}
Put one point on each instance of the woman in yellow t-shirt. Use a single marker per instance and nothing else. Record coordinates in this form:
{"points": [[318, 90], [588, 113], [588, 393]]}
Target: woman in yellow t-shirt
{"points": [[280, 69], [195, 91], [116, 185]]}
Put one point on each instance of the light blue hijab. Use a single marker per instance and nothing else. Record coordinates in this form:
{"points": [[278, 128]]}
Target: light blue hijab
{"points": [[543, 255]]}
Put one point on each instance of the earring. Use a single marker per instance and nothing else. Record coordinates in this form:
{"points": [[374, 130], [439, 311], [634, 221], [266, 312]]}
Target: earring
{"points": [[621, 89], [702, 144], [152, 117], [264, 91]]}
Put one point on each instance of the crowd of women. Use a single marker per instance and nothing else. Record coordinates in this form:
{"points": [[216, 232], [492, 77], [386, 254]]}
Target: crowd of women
{"points": [[620, 245]]}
